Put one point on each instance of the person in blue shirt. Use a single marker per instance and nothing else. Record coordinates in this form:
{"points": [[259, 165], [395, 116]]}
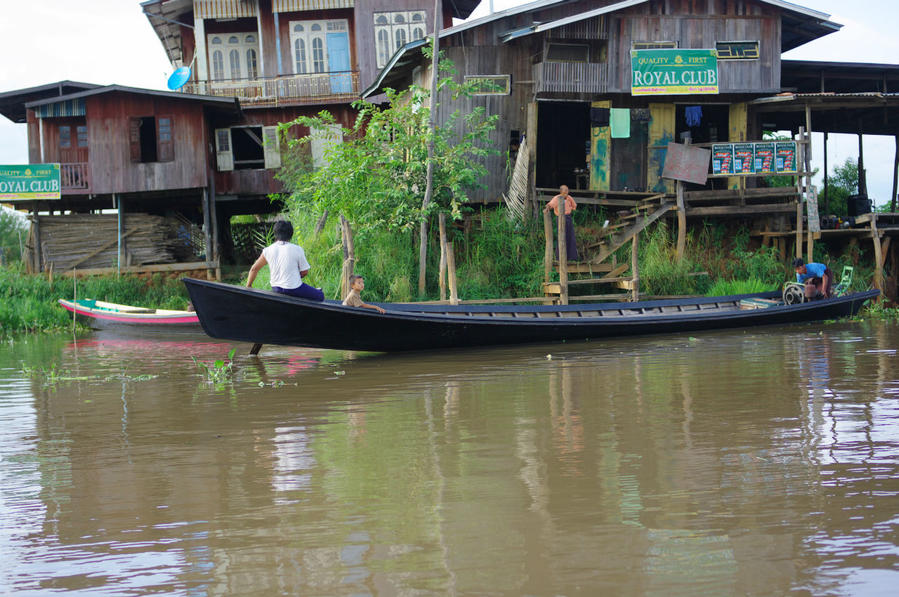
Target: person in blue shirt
{"points": [[817, 277]]}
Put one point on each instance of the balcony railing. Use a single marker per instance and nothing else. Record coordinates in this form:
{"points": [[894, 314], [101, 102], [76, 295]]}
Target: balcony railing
{"points": [[286, 89], [572, 77], [74, 177]]}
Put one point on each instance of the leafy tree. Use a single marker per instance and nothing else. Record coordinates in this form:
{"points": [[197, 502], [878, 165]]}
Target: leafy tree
{"points": [[840, 184], [376, 177], [12, 228]]}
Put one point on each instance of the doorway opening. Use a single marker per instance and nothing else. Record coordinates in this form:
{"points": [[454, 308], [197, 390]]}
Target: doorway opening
{"points": [[563, 143]]}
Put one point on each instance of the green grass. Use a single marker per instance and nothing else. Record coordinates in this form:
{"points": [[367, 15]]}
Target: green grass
{"points": [[28, 303]]}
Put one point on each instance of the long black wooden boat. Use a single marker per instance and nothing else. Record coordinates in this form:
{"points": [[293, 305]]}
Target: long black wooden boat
{"points": [[260, 316]]}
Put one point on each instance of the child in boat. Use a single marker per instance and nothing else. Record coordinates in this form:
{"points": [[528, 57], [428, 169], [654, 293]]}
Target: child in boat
{"points": [[817, 277], [287, 265], [354, 298]]}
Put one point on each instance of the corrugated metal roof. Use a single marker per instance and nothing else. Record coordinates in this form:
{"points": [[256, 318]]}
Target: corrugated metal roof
{"points": [[300, 5], [224, 9]]}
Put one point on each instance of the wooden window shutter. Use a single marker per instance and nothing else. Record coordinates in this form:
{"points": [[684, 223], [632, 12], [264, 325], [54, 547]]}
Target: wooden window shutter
{"points": [[271, 147], [165, 146], [134, 138], [224, 156]]}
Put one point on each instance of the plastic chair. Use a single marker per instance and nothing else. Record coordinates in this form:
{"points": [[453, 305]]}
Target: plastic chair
{"points": [[845, 281]]}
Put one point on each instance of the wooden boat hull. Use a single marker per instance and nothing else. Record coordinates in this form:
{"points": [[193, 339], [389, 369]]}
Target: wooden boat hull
{"points": [[101, 315], [258, 316]]}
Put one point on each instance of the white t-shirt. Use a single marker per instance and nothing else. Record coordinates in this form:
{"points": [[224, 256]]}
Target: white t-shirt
{"points": [[285, 262]]}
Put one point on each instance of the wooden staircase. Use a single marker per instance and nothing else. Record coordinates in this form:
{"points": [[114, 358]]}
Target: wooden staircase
{"points": [[601, 266]]}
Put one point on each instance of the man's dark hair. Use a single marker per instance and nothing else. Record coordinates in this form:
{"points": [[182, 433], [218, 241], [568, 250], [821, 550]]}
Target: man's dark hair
{"points": [[283, 230], [798, 262]]}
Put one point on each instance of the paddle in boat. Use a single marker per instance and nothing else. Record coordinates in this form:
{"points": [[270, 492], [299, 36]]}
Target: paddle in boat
{"points": [[263, 317], [103, 315]]}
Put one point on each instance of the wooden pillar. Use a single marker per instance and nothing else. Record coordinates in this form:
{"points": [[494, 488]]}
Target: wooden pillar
{"points": [[878, 254], [451, 273], [681, 222], [119, 230], [441, 274], [349, 256], [200, 52], [531, 136], [826, 198], [36, 238], [895, 175], [635, 269], [563, 257], [548, 249], [862, 176], [207, 228]]}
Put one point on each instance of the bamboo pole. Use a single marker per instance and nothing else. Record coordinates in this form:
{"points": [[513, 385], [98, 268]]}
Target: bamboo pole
{"points": [[441, 277], [563, 256]]}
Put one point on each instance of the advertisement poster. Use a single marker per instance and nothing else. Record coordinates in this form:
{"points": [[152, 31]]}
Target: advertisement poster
{"points": [[764, 158], [786, 157], [723, 159], [744, 158]]}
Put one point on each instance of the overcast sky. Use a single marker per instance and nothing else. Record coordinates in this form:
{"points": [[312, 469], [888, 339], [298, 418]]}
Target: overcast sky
{"points": [[111, 41]]}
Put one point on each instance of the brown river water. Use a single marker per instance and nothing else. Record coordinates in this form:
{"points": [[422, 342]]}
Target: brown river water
{"points": [[748, 462]]}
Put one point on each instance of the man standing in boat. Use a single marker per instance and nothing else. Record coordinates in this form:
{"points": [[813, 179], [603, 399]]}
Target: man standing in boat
{"points": [[817, 277], [556, 204], [287, 265]]}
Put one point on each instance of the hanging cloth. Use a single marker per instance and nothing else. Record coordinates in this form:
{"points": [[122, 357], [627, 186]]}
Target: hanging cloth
{"points": [[693, 115], [621, 123]]}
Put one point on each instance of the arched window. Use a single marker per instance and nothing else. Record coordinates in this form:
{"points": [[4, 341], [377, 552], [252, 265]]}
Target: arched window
{"points": [[400, 38], [298, 28], [318, 56], [234, 59], [250, 39], [252, 71], [233, 40], [417, 17], [218, 67], [299, 50], [399, 18], [217, 40], [383, 47], [418, 33], [381, 20], [316, 27]]}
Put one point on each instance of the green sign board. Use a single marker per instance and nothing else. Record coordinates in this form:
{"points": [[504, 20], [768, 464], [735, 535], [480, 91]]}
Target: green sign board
{"points": [[674, 72], [29, 181]]}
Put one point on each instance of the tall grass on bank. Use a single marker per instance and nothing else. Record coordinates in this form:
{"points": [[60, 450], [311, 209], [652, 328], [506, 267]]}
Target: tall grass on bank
{"points": [[28, 303], [493, 260]]}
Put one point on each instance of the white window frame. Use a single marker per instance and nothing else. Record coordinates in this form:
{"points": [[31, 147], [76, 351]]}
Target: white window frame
{"points": [[397, 28], [224, 148], [314, 43], [222, 48]]}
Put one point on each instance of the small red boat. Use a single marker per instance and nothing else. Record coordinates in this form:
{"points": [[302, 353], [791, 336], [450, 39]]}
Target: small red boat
{"points": [[103, 315]]}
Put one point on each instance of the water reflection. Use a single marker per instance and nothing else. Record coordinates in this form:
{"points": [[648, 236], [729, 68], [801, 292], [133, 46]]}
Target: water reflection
{"points": [[727, 463]]}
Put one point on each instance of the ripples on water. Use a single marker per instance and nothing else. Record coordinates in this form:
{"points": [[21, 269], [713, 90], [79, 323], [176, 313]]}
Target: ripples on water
{"points": [[747, 462]]}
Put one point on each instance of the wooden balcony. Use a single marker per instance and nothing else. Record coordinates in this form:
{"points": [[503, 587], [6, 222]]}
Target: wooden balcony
{"points": [[75, 177], [314, 88], [572, 77]]}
